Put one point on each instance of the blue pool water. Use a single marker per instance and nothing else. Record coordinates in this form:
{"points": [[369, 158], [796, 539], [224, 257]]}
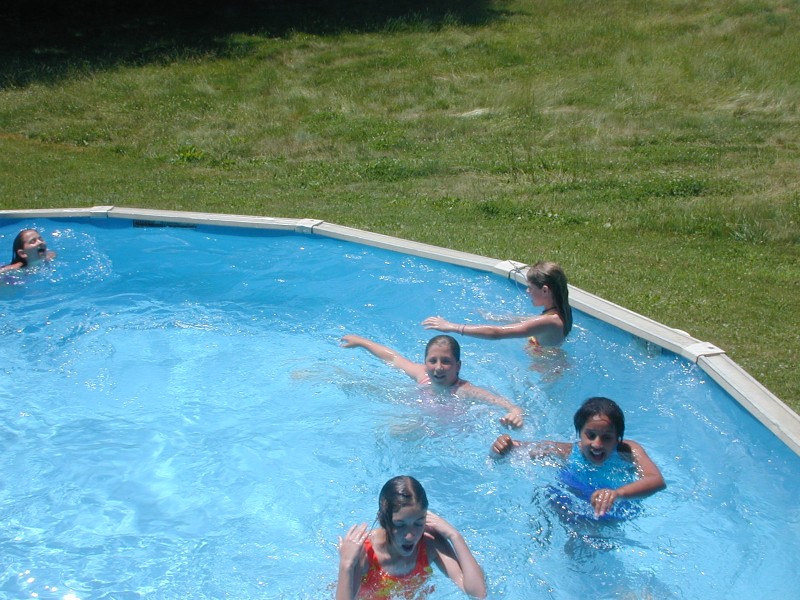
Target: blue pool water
{"points": [[178, 420]]}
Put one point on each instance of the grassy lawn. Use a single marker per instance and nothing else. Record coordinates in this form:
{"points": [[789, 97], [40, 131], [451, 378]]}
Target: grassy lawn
{"points": [[651, 148]]}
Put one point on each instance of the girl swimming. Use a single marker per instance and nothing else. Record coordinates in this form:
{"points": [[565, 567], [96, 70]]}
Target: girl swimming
{"points": [[600, 425], [440, 370], [394, 560], [28, 249]]}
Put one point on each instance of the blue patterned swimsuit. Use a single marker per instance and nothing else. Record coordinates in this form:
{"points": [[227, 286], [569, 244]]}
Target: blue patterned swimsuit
{"points": [[579, 479]]}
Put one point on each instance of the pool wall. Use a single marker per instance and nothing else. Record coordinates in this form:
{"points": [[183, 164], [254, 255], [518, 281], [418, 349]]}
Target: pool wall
{"points": [[753, 396]]}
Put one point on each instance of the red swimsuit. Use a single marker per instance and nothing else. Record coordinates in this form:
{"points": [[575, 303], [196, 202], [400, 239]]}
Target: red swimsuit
{"points": [[377, 583]]}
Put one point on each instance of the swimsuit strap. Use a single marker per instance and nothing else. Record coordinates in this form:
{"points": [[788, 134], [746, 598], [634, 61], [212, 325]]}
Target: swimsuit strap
{"points": [[372, 559], [422, 558]]}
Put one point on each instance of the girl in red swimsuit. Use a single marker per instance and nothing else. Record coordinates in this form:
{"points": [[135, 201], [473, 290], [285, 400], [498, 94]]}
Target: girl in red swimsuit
{"points": [[394, 560]]}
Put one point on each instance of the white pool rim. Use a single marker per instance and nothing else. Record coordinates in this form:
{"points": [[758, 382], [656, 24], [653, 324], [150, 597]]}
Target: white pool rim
{"points": [[758, 400]]}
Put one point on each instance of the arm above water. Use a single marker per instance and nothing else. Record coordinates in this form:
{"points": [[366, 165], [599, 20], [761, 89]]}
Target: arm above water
{"points": [[650, 481], [505, 444], [414, 370], [452, 555], [351, 562], [513, 418], [546, 327]]}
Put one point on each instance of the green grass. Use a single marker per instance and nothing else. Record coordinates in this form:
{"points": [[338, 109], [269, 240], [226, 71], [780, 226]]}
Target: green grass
{"points": [[651, 148]]}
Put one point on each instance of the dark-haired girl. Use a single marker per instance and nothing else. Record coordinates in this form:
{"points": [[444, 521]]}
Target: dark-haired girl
{"points": [[394, 560], [600, 425], [29, 248]]}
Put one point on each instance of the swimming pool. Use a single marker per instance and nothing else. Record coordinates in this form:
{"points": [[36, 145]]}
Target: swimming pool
{"points": [[179, 421]]}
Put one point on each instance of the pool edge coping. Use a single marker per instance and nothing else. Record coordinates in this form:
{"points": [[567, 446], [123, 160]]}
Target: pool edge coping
{"points": [[777, 416]]}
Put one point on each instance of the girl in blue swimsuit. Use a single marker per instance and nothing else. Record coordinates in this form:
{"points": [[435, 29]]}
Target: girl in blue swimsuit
{"points": [[600, 466]]}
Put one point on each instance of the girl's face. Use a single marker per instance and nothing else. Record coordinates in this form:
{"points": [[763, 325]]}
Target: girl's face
{"points": [[598, 439], [441, 365], [408, 525], [34, 247], [540, 296]]}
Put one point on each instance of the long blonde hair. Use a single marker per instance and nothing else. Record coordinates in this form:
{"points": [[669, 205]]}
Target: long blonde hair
{"points": [[550, 274]]}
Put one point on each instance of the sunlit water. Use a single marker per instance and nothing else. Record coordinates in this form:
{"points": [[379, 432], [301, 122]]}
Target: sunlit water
{"points": [[179, 421]]}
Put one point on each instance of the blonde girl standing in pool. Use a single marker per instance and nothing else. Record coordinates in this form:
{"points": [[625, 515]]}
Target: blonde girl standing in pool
{"points": [[547, 287], [394, 560]]}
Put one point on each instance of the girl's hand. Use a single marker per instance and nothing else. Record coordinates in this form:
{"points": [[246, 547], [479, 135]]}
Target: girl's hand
{"points": [[434, 524], [439, 324], [513, 419], [504, 444], [351, 546], [351, 341], [602, 500]]}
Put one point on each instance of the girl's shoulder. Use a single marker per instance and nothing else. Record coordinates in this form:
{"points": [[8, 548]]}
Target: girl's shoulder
{"points": [[10, 267], [628, 450], [548, 330], [375, 546], [465, 388]]}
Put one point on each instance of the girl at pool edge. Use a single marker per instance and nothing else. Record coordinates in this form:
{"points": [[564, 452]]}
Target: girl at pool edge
{"points": [[28, 249], [600, 425], [441, 370], [547, 287], [396, 557]]}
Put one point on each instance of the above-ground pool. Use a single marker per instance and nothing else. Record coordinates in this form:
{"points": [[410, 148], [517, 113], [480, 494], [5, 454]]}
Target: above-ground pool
{"points": [[179, 421]]}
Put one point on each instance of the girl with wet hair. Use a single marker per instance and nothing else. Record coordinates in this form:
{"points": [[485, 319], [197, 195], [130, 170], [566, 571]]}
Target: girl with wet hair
{"points": [[597, 405], [28, 249], [547, 287], [600, 466], [394, 559], [441, 370], [398, 493]]}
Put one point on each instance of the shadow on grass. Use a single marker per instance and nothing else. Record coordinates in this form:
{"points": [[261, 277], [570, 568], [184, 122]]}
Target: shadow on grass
{"points": [[44, 41]]}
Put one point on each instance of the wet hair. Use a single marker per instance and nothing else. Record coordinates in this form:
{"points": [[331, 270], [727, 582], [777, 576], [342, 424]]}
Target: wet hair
{"points": [[18, 244], [605, 407], [447, 340], [551, 274], [397, 493]]}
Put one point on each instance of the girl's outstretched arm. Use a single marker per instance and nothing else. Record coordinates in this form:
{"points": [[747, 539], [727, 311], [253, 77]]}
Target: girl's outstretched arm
{"points": [[542, 326], [414, 370], [453, 556], [504, 444]]}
